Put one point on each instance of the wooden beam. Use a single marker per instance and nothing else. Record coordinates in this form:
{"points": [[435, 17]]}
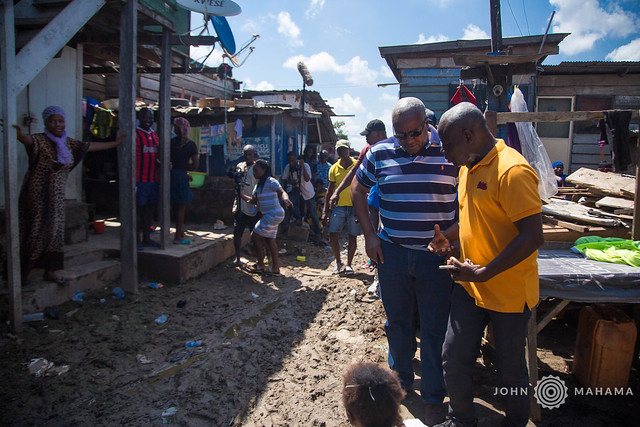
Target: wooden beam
{"points": [[568, 225], [635, 227], [150, 70], [127, 151], [165, 139], [51, 39], [9, 143], [552, 116]]}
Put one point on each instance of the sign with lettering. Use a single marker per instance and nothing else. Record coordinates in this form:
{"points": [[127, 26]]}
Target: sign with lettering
{"points": [[212, 7]]}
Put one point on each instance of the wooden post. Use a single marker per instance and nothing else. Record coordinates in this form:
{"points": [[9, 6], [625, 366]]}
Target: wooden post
{"points": [[165, 138], [9, 143], [127, 150], [635, 229], [532, 361]]}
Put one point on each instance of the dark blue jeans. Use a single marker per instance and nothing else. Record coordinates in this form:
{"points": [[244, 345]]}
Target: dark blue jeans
{"points": [[466, 325], [410, 283], [310, 206]]}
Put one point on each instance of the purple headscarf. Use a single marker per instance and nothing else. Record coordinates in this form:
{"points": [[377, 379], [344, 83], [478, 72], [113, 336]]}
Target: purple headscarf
{"points": [[64, 156]]}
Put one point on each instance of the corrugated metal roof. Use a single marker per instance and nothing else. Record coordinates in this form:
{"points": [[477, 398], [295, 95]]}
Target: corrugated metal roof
{"points": [[592, 67]]}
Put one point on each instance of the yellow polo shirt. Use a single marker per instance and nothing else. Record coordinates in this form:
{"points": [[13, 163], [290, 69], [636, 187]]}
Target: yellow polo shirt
{"points": [[498, 191], [336, 174]]}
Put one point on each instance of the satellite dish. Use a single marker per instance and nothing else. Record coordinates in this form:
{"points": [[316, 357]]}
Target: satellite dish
{"points": [[212, 7], [225, 36]]}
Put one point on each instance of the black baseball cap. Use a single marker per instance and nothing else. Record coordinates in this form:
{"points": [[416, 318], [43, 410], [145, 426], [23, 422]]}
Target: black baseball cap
{"points": [[373, 126]]}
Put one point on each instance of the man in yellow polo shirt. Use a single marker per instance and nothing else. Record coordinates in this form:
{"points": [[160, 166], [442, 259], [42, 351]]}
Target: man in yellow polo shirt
{"points": [[500, 232], [342, 213]]}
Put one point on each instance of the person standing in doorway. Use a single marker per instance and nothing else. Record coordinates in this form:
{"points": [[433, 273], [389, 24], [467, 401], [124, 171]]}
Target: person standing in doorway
{"points": [[147, 185], [184, 157]]}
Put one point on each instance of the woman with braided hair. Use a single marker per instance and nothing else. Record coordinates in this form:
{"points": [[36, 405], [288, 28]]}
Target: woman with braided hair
{"points": [[52, 156]]}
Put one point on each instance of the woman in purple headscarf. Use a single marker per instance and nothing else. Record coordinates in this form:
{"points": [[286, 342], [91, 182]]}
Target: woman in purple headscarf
{"points": [[52, 155]]}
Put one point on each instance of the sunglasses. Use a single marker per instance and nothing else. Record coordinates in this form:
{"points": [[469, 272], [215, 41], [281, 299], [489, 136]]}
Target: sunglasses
{"points": [[412, 133]]}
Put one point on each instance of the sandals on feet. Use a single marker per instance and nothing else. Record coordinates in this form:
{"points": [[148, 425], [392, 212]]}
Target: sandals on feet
{"points": [[183, 242], [255, 268]]}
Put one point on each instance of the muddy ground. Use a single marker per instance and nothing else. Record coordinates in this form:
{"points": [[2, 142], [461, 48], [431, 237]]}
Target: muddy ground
{"points": [[273, 351]]}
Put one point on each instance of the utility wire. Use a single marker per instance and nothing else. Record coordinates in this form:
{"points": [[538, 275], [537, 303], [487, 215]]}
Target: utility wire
{"points": [[514, 17], [524, 9]]}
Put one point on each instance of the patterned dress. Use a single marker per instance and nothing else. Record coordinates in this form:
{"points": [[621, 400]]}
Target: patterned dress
{"points": [[41, 205], [269, 205]]}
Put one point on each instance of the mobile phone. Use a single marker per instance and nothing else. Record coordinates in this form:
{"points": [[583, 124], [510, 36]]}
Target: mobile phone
{"points": [[447, 267]]}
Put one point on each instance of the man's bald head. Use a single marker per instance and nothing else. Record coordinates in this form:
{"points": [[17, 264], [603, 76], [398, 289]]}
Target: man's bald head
{"points": [[465, 115]]}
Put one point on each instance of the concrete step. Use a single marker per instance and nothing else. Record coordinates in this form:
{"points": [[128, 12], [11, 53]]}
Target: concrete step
{"points": [[39, 294], [75, 255]]}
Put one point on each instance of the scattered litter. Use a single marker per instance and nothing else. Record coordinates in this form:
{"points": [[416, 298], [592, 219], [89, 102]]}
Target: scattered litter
{"points": [[181, 303], [282, 251], [160, 320], [53, 313], [193, 344], [115, 317], [219, 225], [352, 292], [42, 366], [102, 300], [155, 285], [77, 296], [169, 412], [301, 258], [33, 317], [72, 312], [143, 359], [255, 295], [118, 292]]}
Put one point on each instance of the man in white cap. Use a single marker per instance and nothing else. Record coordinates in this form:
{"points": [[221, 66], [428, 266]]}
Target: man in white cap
{"points": [[342, 212]]}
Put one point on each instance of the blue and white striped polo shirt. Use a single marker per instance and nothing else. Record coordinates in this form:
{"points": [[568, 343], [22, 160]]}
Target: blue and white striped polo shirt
{"points": [[416, 192]]}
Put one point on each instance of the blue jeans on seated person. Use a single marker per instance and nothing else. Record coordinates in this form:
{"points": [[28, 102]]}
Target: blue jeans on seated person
{"points": [[461, 348], [410, 282], [310, 206]]}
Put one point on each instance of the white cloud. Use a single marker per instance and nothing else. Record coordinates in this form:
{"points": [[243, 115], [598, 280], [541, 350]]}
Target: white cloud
{"points": [[263, 85], [473, 32], [356, 70], [386, 72], [432, 39], [315, 6], [289, 29], [588, 22], [347, 105], [388, 98], [627, 52], [199, 53]]}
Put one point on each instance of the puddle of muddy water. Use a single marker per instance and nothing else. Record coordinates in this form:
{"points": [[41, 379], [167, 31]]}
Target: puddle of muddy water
{"points": [[237, 329]]}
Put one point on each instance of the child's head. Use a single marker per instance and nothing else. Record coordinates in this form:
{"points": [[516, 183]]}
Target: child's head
{"points": [[372, 395]]}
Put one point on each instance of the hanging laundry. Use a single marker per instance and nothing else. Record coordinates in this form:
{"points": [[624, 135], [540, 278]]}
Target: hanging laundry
{"points": [[101, 123], [463, 95], [238, 129], [617, 124]]}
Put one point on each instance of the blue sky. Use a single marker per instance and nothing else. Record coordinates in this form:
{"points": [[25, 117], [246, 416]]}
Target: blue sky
{"points": [[339, 40]]}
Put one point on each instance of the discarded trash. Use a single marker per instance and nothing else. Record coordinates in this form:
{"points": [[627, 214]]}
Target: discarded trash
{"points": [[253, 294], [53, 313], [154, 285], [77, 296], [282, 251], [118, 292], [160, 320], [219, 225], [42, 366], [102, 300], [170, 411], [143, 359], [33, 317], [193, 344], [352, 292], [301, 258], [181, 303]]}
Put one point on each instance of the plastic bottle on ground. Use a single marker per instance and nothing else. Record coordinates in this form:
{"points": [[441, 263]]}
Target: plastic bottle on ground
{"points": [[193, 344], [118, 292], [160, 320]]}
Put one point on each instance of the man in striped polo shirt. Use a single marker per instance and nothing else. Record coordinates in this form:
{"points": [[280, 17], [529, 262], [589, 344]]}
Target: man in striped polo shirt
{"points": [[417, 190], [147, 185]]}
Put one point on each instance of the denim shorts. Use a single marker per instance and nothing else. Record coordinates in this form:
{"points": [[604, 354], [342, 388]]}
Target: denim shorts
{"points": [[342, 215], [147, 193]]}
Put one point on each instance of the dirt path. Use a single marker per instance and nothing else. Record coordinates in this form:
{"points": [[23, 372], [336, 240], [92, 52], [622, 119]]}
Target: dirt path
{"points": [[273, 352]]}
